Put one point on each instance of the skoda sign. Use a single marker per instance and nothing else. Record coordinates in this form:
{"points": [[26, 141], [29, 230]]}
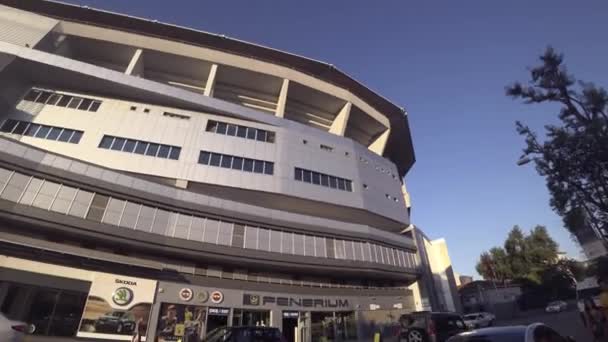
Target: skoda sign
{"points": [[122, 296]]}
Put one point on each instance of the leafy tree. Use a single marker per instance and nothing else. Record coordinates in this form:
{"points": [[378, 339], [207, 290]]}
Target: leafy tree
{"points": [[574, 156], [523, 256]]}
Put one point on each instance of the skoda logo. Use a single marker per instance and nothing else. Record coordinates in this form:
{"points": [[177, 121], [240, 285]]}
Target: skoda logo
{"points": [[122, 296]]}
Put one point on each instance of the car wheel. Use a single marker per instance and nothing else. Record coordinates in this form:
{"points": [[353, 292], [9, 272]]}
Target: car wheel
{"points": [[415, 336], [119, 328]]}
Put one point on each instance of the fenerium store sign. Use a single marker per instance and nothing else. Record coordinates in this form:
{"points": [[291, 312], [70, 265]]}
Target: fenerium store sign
{"points": [[252, 299]]}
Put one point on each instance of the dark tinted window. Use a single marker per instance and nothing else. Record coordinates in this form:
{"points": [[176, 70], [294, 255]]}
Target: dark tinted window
{"points": [[65, 135], [141, 146], [268, 168], [215, 159], [175, 151], [152, 149], [163, 151], [43, 131], [118, 144], [106, 141], [237, 163], [203, 157], [32, 95], [129, 145], [258, 166], [226, 161], [85, 104], [241, 132], [248, 165], [221, 128], [94, 106], [75, 139], [54, 133], [65, 99]]}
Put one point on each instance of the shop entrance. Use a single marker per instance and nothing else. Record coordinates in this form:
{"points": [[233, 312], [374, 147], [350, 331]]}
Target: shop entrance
{"points": [[290, 323], [217, 318]]}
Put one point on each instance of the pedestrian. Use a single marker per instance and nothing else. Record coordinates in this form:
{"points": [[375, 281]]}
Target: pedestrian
{"points": [[139, 331], [596, 321]]}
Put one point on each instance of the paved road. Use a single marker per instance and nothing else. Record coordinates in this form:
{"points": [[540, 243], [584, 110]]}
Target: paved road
{"points": [[567, 323]]}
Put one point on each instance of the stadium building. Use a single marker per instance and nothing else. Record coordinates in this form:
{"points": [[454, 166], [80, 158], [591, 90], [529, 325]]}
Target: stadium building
{"points": [[182, 180]]}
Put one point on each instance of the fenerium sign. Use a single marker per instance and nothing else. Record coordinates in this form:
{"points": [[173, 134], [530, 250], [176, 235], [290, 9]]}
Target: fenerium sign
{"points": [[252, 299]]}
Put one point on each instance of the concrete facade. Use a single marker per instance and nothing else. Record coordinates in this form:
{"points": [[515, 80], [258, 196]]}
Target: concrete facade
{"points": [[185, 186]]}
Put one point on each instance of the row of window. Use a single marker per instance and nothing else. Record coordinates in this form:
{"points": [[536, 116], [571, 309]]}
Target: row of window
{"points": [[236, 163], [41, 193], [140, 147], [62, 100], [322, 179], [240, 131], [31, 129]]}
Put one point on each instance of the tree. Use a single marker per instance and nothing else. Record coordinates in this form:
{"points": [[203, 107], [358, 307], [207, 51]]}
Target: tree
{"points": [[574, 156], [523, 256]]}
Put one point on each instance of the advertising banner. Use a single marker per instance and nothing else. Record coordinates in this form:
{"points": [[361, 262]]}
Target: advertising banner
{"points": [[181, 322], [116, 307]]}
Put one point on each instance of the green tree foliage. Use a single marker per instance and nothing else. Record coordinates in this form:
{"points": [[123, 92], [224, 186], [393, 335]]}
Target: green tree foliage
{"points": [[523, 256], [573, 157]]}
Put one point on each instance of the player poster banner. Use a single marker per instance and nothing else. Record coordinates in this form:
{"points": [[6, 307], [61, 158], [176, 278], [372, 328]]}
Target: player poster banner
{"points": [[181, 322], [116, 307]]}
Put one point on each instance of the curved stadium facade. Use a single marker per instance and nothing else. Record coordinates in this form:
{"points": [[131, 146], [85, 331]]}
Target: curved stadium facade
{"points": [[154, 173]]}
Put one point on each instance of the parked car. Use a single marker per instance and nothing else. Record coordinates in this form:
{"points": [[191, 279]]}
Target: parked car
{"points": [[12, 331], [116, 322], [479, 320], [536, 332], [426, 326], [556, 306], [245, 334]]}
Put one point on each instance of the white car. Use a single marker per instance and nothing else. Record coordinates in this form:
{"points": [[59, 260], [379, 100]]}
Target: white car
{"points": [[479, 320], [12, 331], [556, 306]]}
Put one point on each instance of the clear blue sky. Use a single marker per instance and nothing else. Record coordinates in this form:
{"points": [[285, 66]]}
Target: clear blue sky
{"points": [[447, 64]]}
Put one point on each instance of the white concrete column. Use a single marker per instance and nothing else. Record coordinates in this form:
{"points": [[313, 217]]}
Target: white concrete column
{"points": [[380, 143], [282, 101], [211, 81], [136, 66], [338, 127]]}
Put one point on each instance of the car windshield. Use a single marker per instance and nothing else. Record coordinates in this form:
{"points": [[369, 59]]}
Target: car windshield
{"points": [[470, 316], [555, 303], [498, 337]]}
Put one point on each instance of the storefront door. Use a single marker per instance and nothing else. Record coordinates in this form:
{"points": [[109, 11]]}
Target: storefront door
{"points": [[290, 325], [217, 318]]}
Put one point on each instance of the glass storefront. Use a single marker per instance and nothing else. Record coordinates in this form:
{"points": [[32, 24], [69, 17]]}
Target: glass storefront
{"points": [[53, 312], [333, 326], [250, 318]]}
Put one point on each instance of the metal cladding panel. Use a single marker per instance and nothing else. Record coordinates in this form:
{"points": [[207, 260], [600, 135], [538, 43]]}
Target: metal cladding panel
{"points": [[23, 28]]}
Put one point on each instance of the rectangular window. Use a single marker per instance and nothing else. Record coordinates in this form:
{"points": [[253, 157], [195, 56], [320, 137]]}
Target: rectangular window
{"points": [[215, 159], [237, 163], [106, 142], [240, 131], [46, 195], [221, 128], [203, 157], [196, 229], [251, 237], [54, 133], [8, 125], [275, 241], [316, 178], [94, 106], [98, 206], [85, 104], [152, 150], [43, 131], [161, 222], [63, 102], [118, 144], [113, 211], [31, 130], [129, 215], [64, 199], [15, 187], [307, 176], [286, 243], [182, 226], [129, 146], [65, 135], [330, 247], [163, 151], [145, 218], [30, 192], [81, 203], [175, 152], [248, 165], [31, 95], [258, 166], [298, 244], [309, 245], [226, 161], [264, 239], [137, 146], [224, 236], [22, 126], [75, 138], [211, 231], [238, 236], [231, 130], [349, 250], [298, 174], [268, 168]]}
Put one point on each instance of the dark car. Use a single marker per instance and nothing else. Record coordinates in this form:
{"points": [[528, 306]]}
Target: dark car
{"points": [[536, 332], [429, 326], [116, 322], [245, 334]]}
